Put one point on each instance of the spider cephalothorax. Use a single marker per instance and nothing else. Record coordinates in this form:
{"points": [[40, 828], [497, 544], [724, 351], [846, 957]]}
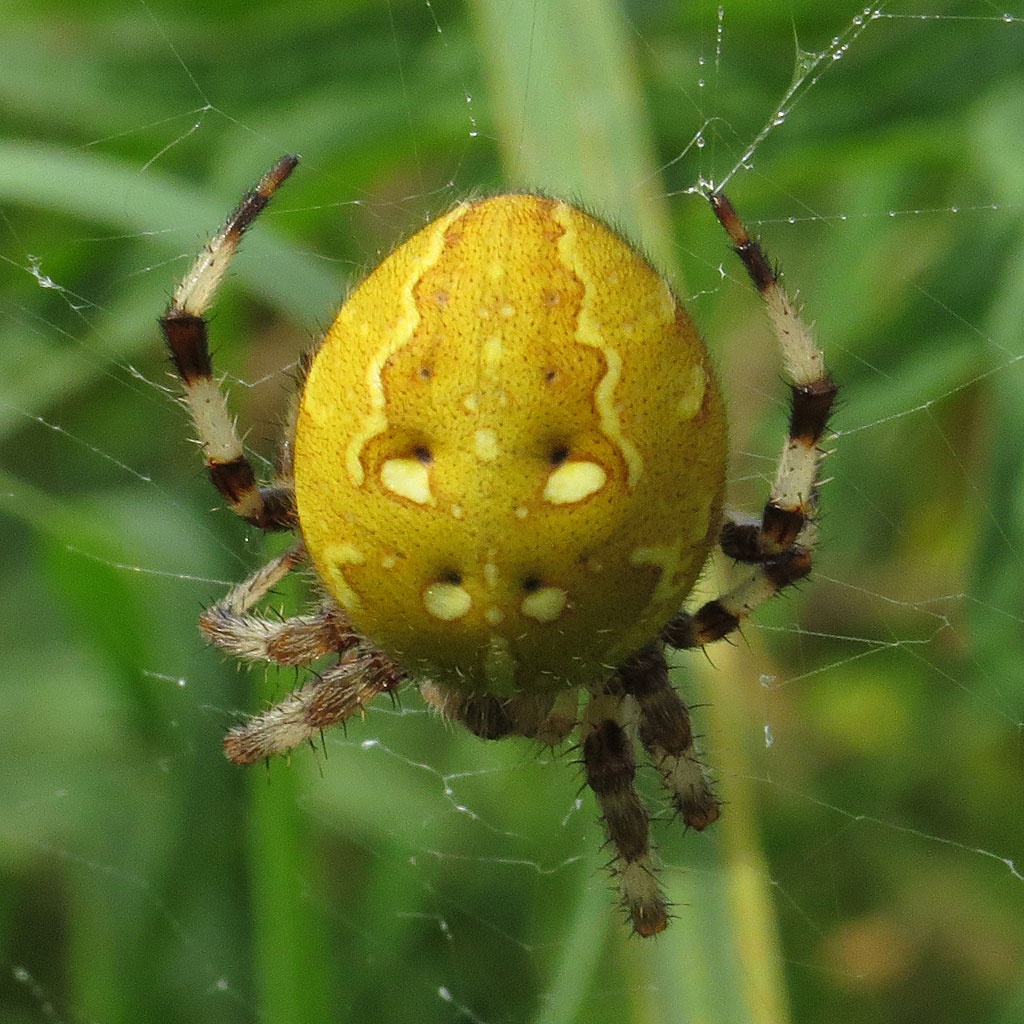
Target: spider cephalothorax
{"points": [[506, 466]]}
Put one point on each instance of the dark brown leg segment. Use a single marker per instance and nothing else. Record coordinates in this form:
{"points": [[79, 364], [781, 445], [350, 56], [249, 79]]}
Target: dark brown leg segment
{"points": [[184, 328], [610, 769], [666, 733], [778, 547]]}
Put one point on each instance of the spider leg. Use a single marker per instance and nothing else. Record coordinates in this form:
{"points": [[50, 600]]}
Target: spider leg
{"points": [[779, 547], [791, 501], [663, 725], [559, 719], [720, 616], [548, 717], [184, 327], [610, 767], [294, 641], [341, 691], [336, 694], [482, 714]]}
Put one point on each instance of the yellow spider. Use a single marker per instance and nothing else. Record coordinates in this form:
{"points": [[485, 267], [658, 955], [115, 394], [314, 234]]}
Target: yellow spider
{"points": [[506, 465]]}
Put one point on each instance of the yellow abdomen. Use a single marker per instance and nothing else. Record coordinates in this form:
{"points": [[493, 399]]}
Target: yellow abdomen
{"points": [[510, 450]]}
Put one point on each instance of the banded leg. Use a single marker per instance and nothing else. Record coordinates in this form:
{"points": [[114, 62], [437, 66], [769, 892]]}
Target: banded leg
{"points": [[484, 715], [720, 616], [610, 769], [663, 724], [791, 501], [341, 691], [331, 697], [184, 327], [548, 717], [294, 641], [779, 547]]}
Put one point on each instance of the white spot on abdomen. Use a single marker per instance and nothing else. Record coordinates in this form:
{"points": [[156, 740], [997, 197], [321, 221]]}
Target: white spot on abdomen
{"points": [[544, 605], [447, 601], [408, 478], [486, 444], [574, 481]]}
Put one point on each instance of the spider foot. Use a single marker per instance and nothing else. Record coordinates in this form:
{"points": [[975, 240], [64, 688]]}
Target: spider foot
{"points": [[663, 725], [610, 770], [642, 898], [688, 786], [343, 690]]}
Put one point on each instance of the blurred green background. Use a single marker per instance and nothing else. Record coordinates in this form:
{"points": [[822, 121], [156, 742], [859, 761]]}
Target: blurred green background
{"points": [[867, 731]]}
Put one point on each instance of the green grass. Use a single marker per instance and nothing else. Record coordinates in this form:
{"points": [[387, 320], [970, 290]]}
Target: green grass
{"points": [[413, 873]]}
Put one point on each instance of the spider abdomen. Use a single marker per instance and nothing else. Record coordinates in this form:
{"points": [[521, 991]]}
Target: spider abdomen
{"points": [[510, 450]]}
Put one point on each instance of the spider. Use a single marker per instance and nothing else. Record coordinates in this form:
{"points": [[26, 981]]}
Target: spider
{"points": [[506, 465]]}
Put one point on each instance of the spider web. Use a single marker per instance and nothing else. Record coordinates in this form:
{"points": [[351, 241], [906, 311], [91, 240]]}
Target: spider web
{"points": [[867, 731]]}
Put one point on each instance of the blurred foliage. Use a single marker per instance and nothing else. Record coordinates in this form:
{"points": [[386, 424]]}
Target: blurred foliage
{"points": [[412, 873]]}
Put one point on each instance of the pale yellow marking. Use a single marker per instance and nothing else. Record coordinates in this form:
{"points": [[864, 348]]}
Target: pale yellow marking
{"points": [[456, 511], [496, 270], [405, 329], [491, 575], [522, 512], [388, 562], [494, 616], [336, 556], [668, 559], [507, 311], [574, 481], [471, 402], [486, 444], [692, 400], [544, 605], [491, 352], [499, 666], [447, 601], [588, 332], [408, 478]]}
